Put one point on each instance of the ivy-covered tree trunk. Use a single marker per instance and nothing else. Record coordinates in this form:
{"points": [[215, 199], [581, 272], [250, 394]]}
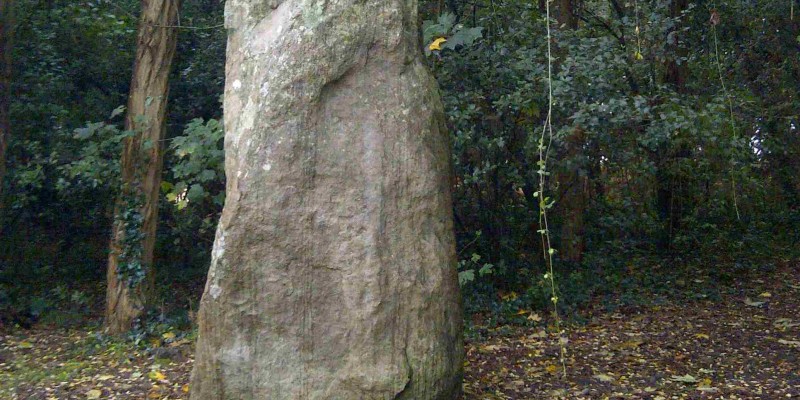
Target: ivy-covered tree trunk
{"points": [[6, 40], [333, 270], [136, 214]]}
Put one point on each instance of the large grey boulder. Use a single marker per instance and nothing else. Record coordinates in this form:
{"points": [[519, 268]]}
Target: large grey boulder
{"points": [[333, 270]]}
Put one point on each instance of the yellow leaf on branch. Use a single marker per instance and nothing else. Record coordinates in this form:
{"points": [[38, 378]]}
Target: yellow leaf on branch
{"points": [[437, 44]]}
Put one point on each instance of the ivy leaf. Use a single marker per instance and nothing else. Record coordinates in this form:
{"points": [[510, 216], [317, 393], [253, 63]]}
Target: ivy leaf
{"points": [[464, 37], [465, 277], [195, 193], [207, 175]]}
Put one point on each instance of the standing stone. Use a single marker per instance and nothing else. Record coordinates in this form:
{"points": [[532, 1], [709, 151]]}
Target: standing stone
{"points": [[333, 270]]}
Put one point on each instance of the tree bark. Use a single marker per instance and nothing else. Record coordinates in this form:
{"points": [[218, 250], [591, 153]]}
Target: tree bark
{"points": [[566, 14], [333, 270], [6, 43], [141, 165]]}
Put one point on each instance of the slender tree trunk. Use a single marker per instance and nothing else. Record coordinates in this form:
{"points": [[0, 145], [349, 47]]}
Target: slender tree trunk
{"points": [[136, 214], [675, 73], [6, 42], [333, 269], [574, 197]]}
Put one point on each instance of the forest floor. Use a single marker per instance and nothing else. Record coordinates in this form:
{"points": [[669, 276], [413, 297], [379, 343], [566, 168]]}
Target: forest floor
{"points": [[744, 345]]}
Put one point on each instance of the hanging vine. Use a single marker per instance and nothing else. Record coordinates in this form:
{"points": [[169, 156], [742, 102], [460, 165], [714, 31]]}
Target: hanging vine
{"points": [[545, 203], [715, 20]]}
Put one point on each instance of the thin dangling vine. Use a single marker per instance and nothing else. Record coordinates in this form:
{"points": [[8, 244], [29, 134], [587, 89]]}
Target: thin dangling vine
{"points": [[544, 202], [714, 20], [638, 56]]}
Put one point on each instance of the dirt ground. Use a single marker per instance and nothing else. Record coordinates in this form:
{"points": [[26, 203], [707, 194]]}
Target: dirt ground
{"points": [[745, 345]]}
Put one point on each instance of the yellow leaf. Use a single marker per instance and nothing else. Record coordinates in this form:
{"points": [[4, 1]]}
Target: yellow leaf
{"points": [[185, 388], [701, 336], [551, 369], [766, 294], [522, 312], [631, 344], [534, 317], [104, 377], [168, 335], [638, 56], [156, 375], [93, 394], [25, 345], [509, 297], [437, 44]]}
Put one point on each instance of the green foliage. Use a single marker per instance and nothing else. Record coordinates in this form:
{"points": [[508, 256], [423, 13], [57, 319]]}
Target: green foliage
{"points": [[456, 35], [199, 167]]}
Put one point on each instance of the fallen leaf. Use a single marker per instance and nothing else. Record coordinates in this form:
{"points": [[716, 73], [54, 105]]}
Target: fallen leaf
{"points": [[179, 343], [752, 303], [765, 294], [156, 375], [93, 394], [534, 317], [631, 344], [685, 379], [701, 336], [603, 378], [25, 345], [785, 323], [795, 343], [168, 336]]}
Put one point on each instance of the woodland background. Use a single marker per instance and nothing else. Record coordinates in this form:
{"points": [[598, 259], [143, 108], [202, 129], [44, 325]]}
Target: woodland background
{"points": [[676, 152]]}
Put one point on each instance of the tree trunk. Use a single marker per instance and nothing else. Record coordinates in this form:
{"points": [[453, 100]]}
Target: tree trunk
{"points": [[6, 41], [136, 214], [675, 73], [566, 14], [333, 269], [676, 67], [574, 198]]}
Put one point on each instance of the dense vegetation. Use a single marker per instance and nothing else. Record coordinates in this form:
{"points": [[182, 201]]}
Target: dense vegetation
{"points": [[675, 150]]}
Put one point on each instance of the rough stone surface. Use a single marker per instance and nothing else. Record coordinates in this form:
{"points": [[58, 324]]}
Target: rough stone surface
{"points": [[333, 270]]}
